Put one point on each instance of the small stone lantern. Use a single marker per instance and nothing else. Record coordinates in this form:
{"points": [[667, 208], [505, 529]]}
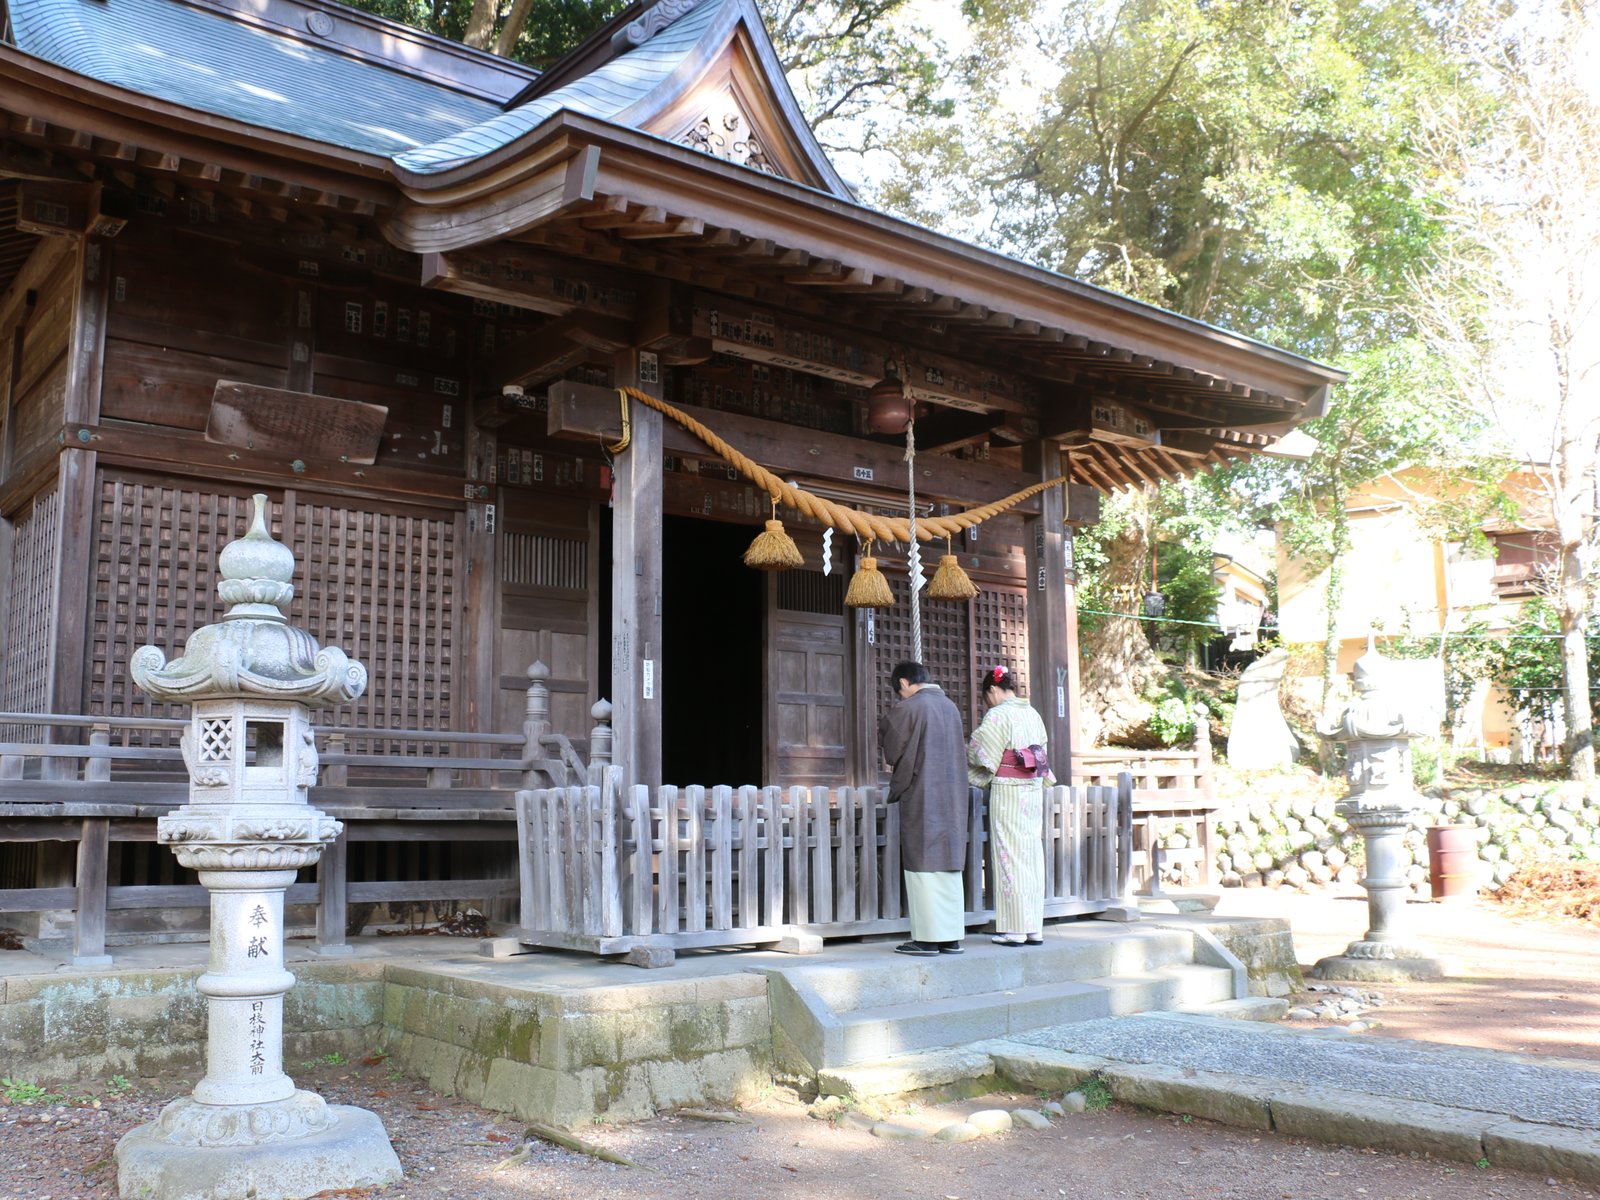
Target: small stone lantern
{"points": [[251, 679], [1378, 729]]}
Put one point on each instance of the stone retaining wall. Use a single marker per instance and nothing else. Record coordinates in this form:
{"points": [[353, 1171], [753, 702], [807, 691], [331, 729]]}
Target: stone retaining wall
{"points": [[561, 1057], [565, 1058], [1298, 840], [90, 1027]]}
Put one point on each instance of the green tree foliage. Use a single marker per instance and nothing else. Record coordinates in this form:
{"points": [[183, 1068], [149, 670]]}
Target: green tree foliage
{"points": [[1527, 663], [856, 64], [1246, 162], [550, 29], [1388, 416], [1252, 163]]}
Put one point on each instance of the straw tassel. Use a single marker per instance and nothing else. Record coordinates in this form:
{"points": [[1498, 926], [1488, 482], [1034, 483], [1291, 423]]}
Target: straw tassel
{"points": [[868, 587], [773, 549], [950, 582]]}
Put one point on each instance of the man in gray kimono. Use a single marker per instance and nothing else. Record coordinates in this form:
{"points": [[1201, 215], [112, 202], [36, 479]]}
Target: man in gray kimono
{"points": [[927, 751]]}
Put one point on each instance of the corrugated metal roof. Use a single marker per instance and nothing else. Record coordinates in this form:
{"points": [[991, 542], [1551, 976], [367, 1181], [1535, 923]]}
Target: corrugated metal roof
{"points": [[206, 61], [604, 93]]}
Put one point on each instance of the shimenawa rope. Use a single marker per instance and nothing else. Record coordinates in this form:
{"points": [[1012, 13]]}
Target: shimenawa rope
{"points": [[864, 525]]}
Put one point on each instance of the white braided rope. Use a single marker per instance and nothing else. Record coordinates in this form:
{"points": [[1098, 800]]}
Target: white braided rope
{"points": [[914, 555]]}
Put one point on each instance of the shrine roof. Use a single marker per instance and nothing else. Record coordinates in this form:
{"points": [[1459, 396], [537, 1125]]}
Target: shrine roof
{"points": [[341, 78], [259, 72], [607, 93]]}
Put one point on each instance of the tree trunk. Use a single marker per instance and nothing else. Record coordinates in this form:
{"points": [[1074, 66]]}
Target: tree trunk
{"points": [[1118, 664], [1340, 542], [480, 25], [1577, 711], [1330, 638], [1574, 467], [512, 29]]}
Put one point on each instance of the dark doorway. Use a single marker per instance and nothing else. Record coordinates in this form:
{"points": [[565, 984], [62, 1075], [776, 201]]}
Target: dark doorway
{"points": [[713, 663]]}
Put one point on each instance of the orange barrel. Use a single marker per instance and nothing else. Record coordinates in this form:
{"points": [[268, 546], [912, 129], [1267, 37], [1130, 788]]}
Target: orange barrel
{"points": [[1452, 861]]}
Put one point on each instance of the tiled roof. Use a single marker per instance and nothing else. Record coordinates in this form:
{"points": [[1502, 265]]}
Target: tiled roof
{"points": [[204, 60], [605, 93]]}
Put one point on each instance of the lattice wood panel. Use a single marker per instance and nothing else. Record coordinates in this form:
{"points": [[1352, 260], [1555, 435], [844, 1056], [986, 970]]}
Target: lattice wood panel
{"points": [[381, 586], [946, 651], [1000, 632], [30, 577], [155, 580]]}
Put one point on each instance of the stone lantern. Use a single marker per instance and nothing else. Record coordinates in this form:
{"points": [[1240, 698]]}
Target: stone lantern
{"points": [[1378, 729], [251, 680]]}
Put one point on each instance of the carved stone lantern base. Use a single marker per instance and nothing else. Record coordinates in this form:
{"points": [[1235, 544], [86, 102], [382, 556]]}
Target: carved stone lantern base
{"points": [[1387, 952], [1382, 962], [283, 1150]]}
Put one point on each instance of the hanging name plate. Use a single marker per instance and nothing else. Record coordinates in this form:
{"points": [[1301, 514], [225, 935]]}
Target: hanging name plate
{"points": [[275, 421]]}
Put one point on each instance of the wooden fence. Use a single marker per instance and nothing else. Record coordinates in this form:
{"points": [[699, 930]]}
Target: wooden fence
{"points": [[1173, 791], [609, 868], [413, 790]]}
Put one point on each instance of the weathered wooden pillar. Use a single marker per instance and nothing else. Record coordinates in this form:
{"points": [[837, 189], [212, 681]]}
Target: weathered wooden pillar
{"points": [[481, 685], [94, 854], [1052, 611], [79, 500], [333, 897], [636, 682]]}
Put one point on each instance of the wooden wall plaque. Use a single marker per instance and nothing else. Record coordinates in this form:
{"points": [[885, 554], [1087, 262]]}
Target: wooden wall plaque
{"points": [[271, 419]]}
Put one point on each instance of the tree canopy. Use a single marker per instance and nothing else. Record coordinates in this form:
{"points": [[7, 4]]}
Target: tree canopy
{"points": [[1250, 163], [1256, 164]]}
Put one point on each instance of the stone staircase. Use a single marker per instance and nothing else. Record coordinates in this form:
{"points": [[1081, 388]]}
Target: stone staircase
{"points": [[879, 1015]]}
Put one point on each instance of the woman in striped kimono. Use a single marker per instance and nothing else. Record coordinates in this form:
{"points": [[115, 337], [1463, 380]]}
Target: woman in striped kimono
{"points": [[1007, 755]]}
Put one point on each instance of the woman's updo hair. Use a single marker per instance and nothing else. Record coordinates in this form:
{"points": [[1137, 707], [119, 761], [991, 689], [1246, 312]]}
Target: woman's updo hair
{"points": [[999, 677]]}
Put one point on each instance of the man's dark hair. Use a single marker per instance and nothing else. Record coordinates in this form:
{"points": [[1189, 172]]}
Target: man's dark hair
{"points": [[911, 672]]}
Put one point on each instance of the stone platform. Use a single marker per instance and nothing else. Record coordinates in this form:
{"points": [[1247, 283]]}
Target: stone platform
{"points": [[565, 1038]]}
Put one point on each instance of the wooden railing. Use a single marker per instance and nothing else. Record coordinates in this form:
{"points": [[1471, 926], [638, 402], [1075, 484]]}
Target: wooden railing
{"points": [[387, 785], [1173, 790], [609, 868]]}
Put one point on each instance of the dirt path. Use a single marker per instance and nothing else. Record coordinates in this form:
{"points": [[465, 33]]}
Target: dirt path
{"points": [[453, 1150], [1529, 985]]}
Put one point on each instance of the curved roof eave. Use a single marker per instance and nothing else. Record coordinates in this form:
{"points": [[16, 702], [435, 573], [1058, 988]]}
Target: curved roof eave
{"points": [[763, 205], [30, 85]]}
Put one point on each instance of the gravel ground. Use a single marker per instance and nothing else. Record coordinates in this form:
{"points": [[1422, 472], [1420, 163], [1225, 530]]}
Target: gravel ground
{"points": [[62, 1151]]}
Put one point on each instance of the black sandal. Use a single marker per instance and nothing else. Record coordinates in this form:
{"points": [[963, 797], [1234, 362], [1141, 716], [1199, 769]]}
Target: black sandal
{"points": [[923, 949]]}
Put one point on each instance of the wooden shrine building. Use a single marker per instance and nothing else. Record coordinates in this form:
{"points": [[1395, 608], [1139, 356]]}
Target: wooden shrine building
{"points": [[393, 282]]}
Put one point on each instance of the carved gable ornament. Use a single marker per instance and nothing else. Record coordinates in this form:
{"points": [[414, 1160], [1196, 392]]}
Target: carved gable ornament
{"points": [[725, 133], [651, 22]]}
